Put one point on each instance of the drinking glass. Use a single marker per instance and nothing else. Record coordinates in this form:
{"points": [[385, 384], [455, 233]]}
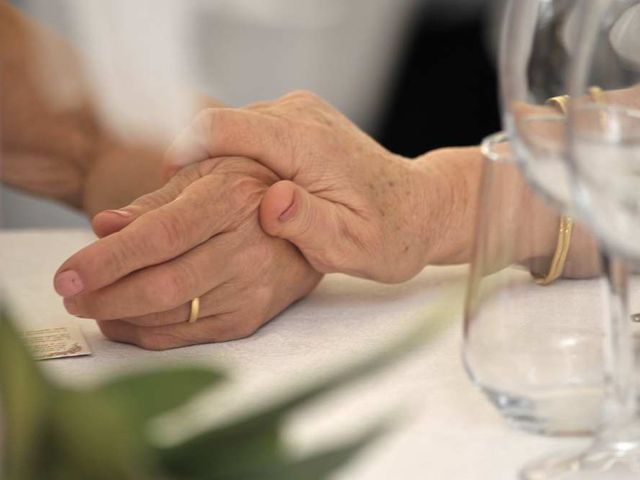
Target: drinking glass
{"points": [[535, 351], [538, 41], [603, 141]]}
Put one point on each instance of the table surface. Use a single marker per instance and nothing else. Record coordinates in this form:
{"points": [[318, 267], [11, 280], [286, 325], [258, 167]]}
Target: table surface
{"points": [[448, 430]]}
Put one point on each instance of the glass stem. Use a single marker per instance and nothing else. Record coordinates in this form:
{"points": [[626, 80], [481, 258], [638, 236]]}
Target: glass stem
{"points": [[620, 407]]}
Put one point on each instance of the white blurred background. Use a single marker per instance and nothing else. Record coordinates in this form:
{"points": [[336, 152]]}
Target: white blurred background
{"points": [[237, 51]]}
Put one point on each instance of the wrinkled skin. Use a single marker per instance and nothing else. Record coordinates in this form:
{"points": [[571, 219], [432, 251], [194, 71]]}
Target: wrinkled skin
{"points": [[350, 205], [199, 236]]}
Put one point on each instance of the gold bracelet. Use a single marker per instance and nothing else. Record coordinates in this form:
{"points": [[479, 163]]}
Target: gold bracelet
{"points": [[560, 256], [566, 223]]}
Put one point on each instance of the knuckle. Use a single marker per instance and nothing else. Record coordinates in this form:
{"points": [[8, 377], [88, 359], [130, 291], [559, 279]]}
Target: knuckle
{"points": [[245, 192], [221, 124], [302, 95], [207, 167], [262, 301], [170, 233], [204, 120], [168, 289], [218, 332], [245, 329], [240, 324], [331, 261]]}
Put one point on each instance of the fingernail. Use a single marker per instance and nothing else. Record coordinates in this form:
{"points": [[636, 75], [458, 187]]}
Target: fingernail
{"points": [[289, 213], [71, 305], [68, 283], [122, 213]]}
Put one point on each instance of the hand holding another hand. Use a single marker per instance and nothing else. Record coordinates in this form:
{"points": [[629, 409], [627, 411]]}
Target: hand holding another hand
{"points": [[347, 203], [199, 236]]}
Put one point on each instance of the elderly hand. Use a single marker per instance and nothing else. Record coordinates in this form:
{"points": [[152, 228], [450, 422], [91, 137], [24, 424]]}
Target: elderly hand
{"points": [[353, 207], [199, 236], [347, 203]]}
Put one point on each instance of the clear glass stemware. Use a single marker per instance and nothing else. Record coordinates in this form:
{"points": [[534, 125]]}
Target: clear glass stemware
{"points": [[538, 43], [603, 147]]}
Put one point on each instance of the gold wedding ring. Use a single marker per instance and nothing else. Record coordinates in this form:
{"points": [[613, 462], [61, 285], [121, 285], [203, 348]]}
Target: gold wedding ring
{"points": [[194, 313]]}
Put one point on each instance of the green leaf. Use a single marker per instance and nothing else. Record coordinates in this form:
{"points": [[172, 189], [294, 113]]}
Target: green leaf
{"points": [[270, 465], [253, 440], [220, 451], [149, 394], [318, 466], [89, 437], [416, 338], [58, 434], [24, 393]]}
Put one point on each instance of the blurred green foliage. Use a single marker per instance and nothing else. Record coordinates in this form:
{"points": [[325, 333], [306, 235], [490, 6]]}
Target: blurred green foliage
{"points": [[59, 433]]}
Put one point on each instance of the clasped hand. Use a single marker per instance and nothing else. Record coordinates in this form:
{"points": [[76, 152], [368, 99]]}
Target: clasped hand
{"points": [[265, 200], [198, 236]]}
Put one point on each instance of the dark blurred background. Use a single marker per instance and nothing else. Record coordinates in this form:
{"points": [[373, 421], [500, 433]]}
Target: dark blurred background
{"points": [[445, 91]]}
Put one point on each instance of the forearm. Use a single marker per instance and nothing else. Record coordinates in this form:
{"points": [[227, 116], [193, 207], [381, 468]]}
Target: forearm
{"points": [[54, 142], [447, 188], [521, 227], [49, 130]]}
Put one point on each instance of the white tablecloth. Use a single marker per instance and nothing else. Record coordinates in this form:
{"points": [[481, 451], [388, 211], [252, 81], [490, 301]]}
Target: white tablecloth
{"points": [[448, 430]]}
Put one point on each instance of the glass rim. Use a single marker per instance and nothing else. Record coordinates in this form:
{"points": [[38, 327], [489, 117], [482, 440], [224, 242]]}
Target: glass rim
{"points": [[487, 147]]}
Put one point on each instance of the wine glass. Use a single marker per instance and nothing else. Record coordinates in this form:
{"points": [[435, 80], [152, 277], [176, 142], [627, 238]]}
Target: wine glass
{"points": [[603, 146]]}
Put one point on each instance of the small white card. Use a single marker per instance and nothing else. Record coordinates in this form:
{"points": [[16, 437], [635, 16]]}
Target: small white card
{"points": [[57, 342]]}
